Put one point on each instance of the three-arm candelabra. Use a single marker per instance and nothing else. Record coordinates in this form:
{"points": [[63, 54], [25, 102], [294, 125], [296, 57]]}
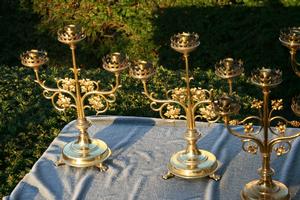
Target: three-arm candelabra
{"points": [[272, 139], [191, 162], [79, 94]]}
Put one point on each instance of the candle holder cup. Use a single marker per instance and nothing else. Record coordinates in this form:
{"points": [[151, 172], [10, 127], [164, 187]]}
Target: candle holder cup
{"points": [[228, 69], [79, 94]]}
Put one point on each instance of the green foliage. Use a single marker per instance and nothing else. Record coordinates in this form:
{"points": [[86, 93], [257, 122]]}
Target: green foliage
{"points": [[27, 125], [246, 29], [290, 2]]}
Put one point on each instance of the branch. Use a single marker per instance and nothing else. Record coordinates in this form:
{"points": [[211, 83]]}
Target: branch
{"points": [[282, 139], [155, 100], [247, 137], [56, 91], [103, 93]]}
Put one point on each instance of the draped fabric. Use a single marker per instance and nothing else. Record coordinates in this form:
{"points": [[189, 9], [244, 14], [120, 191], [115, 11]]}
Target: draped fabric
{"points": [[141, 150]]}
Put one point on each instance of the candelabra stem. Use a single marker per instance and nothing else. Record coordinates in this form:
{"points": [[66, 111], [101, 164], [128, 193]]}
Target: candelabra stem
{"points": [[266, 92], [266, 171], [36, 72], [191, 135], [294, 62], [230, 85], [82, 123], [190, 114], [80, 112]]}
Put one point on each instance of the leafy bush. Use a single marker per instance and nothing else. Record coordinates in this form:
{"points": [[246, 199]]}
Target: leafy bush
{"points": [[25, 129]]}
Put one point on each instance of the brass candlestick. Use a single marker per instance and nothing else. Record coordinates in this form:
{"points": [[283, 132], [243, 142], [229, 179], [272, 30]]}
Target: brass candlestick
{"points": [[290, 37], [191, 162], [277, 141], [79, 94], [228, 69]]}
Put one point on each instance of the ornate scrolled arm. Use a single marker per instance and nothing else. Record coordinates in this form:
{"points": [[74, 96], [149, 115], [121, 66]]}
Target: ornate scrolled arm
{"points": [[42, 84], [104, 93], [283, 147], [206, 98], [52, 93], [206, 112], [99, 100], [172, 112], [281, 129], [250, 118], [282, 123], [242, 136], [281, 139], [161, 101], [96, 102], [227, 105], [249, 146]]}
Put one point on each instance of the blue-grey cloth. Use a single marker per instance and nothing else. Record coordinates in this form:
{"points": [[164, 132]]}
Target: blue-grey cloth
{"points": [[141, 150]]}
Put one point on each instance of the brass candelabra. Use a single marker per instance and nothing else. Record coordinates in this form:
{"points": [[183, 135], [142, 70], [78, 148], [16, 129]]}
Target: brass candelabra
{"points": [[191, 162], [79, 94], [290, 37], [272, 138]]}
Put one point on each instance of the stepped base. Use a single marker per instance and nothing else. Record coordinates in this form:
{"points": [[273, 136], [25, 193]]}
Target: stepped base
{"points": [[255, 191], [92, 154]]}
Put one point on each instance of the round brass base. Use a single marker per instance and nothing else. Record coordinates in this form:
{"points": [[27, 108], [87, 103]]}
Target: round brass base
{"points": [[87, 155], [189, 166], [255, 191]]}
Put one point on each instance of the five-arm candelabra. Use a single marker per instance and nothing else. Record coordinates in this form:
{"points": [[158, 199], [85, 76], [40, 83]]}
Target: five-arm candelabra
{"points": [[272, 139], [191, 162], [79, 94]]}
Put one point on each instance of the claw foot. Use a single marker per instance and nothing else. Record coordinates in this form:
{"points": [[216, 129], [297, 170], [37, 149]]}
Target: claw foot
{"points": [[168, 176], [60, 162], [215, 177], [102, 167]]}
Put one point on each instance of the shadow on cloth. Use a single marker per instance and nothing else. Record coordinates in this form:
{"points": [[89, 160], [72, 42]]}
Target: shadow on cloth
{"points": [[120, 136]]}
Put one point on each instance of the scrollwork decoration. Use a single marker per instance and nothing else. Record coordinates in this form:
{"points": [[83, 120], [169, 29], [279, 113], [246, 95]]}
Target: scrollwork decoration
{"points": [[282, 148], [249, 146]]}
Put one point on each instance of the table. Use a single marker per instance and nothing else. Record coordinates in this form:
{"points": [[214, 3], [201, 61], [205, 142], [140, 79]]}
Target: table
{"points": [[141, 150]]}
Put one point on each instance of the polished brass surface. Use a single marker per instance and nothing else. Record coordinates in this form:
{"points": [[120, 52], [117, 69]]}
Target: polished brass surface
{"points": [[183, 166], [191, 162], [272, 139], [290, 37], [79, 94], [256, 190], [34, 58], [229, 68]]}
